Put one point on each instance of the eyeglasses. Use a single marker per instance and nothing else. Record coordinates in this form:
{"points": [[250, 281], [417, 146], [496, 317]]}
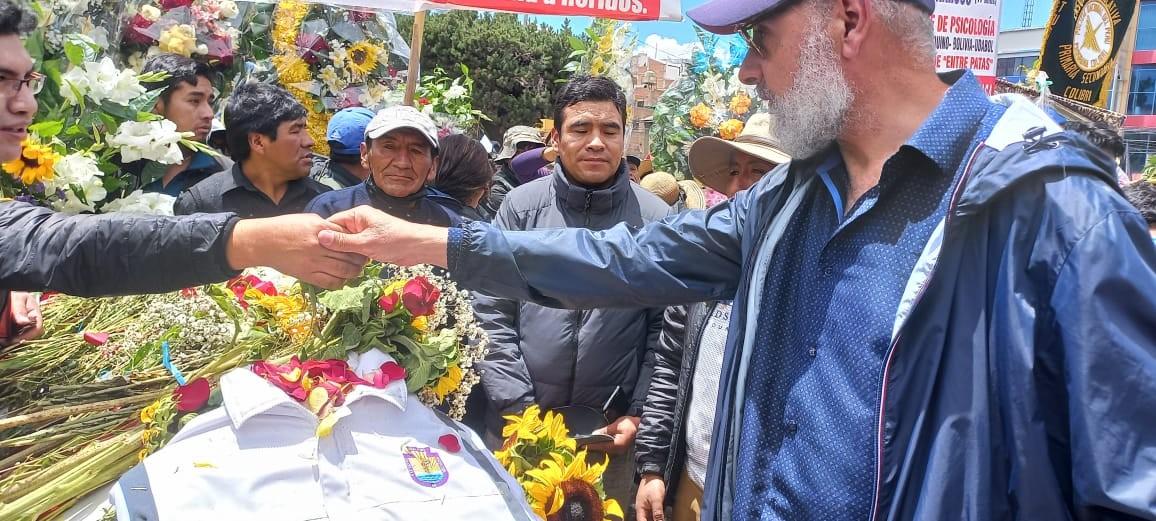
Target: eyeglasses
{"points": [[12, 86], [752, 34]]}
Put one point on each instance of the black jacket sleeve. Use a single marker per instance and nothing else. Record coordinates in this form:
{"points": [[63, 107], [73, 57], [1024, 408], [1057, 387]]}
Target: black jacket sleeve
{"points": [[653, 442], [113, 254], [655, 318]]}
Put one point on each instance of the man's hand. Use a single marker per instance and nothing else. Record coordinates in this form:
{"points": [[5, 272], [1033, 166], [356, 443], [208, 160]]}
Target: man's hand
{"points": [[382, 237], [623, 431], [648, 504], [26, 318], [289, 244]]}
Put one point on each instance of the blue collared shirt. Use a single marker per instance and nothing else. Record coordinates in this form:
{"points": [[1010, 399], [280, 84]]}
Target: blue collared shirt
{"points": [[808, 438]]}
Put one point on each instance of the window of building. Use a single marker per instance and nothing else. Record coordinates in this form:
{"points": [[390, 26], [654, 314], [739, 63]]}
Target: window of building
{"points": [[1142, 97], [1146, 28], [1017, 66], [1140, 144]]}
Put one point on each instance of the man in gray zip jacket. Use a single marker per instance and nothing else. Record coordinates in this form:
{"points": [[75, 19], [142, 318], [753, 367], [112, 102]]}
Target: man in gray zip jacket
{"points": [[582, 357]]}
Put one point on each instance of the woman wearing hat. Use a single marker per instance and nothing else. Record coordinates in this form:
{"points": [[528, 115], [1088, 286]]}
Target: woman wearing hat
{"points": [[675, 434]]}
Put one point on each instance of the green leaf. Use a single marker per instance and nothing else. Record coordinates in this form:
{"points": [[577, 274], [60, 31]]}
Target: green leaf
{"points": [[74, 53], [47, 129], [344, 299]]}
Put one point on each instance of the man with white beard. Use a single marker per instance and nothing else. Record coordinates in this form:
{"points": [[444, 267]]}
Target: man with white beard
{"points": [[926, 322]]}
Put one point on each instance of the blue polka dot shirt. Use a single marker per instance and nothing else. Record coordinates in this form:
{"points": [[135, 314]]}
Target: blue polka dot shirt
{"points": [[808, 436]]}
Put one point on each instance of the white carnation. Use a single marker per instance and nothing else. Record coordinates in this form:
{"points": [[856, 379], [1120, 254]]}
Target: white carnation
{"points": [[101, 81], [153, 140], [227, 9], [141, 202]]}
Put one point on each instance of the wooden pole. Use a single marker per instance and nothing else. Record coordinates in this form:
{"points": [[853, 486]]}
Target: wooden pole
{"points": [[1124, 62], [415, 43]]}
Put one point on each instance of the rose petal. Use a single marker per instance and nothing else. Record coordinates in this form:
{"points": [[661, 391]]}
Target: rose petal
{"points": [[193, 395], [95, 338], [450, 443], [393, 371]]}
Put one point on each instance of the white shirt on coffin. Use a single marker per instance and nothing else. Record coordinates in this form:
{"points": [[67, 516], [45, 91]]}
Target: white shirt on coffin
{"points": [[258, 457]]}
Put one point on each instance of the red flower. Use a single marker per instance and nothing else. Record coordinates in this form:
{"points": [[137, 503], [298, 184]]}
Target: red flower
{"points": [[420, 297], [241, 284], [423, 101], [173, 4], [220, 49], [138, 31], [334, 376], [390, 372], [193, 395], [309, 46], [450, 443], [96, 339], [388, 302]]}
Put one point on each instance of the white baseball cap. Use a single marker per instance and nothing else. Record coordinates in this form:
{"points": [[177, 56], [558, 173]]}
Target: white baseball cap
{"points": [[403, 116]]}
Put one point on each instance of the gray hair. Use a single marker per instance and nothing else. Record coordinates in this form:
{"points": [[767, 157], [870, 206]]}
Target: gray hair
{"points": [[911, 25]]}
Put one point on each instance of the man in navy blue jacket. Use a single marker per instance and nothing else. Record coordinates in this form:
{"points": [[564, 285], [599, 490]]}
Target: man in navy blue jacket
{"points": [[943, 309]]}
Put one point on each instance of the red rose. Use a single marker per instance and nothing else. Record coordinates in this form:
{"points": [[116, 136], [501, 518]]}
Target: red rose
{"points": [[173, 4], [193, 395], [450, 443], [388, 303], [309, 45], [138, 31], [423, 101], [390, 372], [420, 297]]}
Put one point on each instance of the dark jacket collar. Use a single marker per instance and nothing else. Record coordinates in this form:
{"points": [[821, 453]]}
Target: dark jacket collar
{"points": [[597, 201], [388, 201]]}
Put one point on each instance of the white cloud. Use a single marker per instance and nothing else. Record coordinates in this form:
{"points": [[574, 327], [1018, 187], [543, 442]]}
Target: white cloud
{"points": [[666, 49]]}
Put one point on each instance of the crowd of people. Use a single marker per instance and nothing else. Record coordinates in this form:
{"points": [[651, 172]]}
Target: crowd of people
{"points": [[912, 302]]}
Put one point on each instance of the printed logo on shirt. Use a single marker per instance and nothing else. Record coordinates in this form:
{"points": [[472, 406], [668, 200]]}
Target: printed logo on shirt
{"points": [[425, 466]]}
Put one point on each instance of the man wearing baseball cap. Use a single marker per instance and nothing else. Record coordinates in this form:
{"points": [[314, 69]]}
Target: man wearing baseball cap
{"points": [[518, 140], [399, 151], [345, 134], [943, 308]]}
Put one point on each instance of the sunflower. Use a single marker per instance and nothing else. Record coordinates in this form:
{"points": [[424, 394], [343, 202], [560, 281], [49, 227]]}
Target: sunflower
{"points": [[362, 58], [571, 491], [448, 383], [35, 164], [523, 427]]}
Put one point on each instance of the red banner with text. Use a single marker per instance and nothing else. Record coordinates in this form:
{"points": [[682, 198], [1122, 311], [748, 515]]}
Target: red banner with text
{"points": [[616, 9], [966, 32]]}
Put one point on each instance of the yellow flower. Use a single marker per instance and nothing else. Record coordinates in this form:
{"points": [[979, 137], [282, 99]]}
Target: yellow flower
{"points": [[700, 115], [362, 58], [286, 24], [606, 42], [178, 39], [730, 129], [556, 431], [148, 436], [291, 69], [144, 453], [148, 414], [448, 383], [317, 123], [597, 66], [553, 486], [420, 324], [35, 164], [524, 426], [740, 104]]}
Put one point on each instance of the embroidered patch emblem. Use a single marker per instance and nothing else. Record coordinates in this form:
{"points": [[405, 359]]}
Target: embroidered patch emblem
{"points": [[425, 466]]}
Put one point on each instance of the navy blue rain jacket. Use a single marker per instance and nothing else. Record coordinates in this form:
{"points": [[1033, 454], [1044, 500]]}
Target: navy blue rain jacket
{"points": [[1021, 380]]}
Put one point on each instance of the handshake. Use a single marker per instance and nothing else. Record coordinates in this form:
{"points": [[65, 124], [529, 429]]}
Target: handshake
{"points": [[327, 252]]}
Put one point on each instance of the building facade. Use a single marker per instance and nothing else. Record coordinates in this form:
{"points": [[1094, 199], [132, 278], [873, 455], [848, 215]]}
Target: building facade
{"points": [[1022, 32], [651, 78]]}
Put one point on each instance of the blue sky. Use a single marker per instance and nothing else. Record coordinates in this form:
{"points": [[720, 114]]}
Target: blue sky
{"points": [[683, 31]]}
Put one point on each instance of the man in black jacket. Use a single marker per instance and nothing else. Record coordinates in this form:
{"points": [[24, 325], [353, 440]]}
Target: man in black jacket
{"points": [[113, 254], [265, 127], [560, 358], [675, 434]]}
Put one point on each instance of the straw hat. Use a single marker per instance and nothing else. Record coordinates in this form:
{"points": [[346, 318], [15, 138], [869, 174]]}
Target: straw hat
{"points": [[710, 157], [693, 196], [662, 184]]}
